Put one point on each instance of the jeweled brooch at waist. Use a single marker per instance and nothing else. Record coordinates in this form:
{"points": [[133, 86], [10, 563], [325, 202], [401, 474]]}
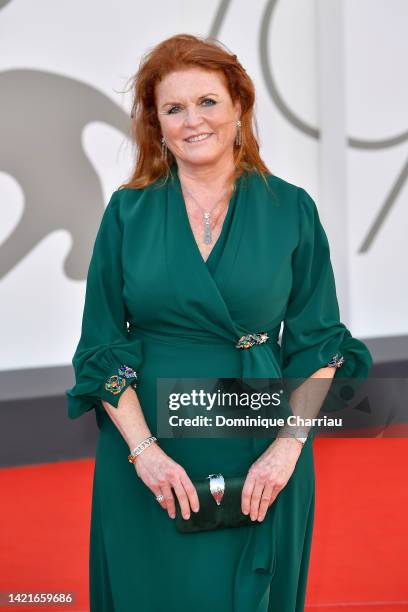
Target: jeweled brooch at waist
{"points": [[250, 340]]}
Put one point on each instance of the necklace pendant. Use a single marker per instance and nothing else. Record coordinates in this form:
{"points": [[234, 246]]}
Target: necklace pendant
{"points": [[207, 229]]}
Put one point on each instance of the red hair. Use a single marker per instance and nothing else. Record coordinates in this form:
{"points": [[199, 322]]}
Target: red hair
{"points": [[177, 53]]}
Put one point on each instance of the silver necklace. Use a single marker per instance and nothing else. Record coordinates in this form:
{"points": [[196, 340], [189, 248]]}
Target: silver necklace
{"points": [[207, 235]]}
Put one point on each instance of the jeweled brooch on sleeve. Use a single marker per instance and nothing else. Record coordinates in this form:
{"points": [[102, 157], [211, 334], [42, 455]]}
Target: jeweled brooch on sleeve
{"points": [[116, 383], [336, 361]]}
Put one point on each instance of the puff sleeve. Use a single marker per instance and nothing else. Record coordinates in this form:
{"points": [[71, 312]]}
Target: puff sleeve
{"points": [[313, 334], [106, 359]]}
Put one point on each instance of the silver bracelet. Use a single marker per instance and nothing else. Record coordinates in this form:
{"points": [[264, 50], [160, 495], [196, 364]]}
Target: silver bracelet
{"points": [[140, 448]]}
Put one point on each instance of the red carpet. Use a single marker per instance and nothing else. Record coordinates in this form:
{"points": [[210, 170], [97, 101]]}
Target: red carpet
{"points": [[360, 548]]}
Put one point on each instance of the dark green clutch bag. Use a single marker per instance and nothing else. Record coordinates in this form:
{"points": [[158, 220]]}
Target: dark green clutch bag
{"points": [[212, 515]]}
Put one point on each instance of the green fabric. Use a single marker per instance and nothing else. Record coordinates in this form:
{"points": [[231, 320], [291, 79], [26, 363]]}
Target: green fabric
{"points": [[216, 252], [270, 264]]}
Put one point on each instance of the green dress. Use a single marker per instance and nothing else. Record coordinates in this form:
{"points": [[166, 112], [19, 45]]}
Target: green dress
{"points": [[153, 304]]}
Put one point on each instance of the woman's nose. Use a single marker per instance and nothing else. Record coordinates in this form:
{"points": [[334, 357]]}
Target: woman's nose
{"points": [[192, 116]]}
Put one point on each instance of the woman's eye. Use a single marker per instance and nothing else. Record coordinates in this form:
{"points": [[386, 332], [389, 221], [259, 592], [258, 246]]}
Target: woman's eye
{"points": [[205, 102], [210, 100]]}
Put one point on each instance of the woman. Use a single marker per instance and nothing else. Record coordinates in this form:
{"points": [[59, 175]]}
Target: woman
{"points": [[201, 247]]}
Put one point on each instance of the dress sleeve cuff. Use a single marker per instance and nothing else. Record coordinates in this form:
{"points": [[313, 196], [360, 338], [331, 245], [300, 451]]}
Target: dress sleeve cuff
{"points": [[104, 374], [340, 349]]}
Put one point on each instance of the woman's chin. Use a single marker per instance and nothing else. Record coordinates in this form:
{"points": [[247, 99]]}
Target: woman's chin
{"points": [[202, 158]]}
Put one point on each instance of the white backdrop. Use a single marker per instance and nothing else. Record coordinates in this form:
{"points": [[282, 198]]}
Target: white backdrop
{"points": [[332, 102]]}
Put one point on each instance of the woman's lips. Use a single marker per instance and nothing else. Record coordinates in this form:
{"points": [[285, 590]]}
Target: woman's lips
{"points": [[199, 138]]}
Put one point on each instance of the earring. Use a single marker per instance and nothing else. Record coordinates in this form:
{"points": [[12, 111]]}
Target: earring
{"points": [[238, 136], [163, 148]]}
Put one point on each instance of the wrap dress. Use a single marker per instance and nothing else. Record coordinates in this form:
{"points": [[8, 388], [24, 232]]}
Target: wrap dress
{"points": [[153, 304]]}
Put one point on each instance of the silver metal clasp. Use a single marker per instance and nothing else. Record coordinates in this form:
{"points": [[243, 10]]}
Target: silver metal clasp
{"points": [[217, 487]]}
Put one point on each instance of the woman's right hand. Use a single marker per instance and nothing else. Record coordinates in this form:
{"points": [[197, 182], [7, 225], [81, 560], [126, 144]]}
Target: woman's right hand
{"points": [[160, 474]]}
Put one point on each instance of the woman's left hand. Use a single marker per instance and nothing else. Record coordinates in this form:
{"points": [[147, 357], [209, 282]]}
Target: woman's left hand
{"points": [[268, 475]]}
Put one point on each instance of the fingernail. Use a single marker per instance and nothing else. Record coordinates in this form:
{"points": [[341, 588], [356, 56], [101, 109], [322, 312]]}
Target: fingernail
{"points": [[186, 516], [196, 508], [245, 511], [172, 515]]}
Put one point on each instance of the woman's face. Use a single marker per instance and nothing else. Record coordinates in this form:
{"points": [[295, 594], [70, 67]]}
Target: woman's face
{"points": [[197, 116]]}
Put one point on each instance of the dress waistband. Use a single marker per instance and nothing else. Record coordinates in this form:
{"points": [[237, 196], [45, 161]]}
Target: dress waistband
{"points": [[198, 336]]}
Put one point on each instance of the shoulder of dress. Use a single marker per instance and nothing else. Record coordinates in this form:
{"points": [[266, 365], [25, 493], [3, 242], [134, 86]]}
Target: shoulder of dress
{"points": [[274, 179], [127, 200], [292, 195], [128, 194], [276, 190], [285, 188]]}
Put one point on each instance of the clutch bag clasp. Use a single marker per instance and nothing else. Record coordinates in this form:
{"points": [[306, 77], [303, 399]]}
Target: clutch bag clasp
{"points": [[217, 487]]}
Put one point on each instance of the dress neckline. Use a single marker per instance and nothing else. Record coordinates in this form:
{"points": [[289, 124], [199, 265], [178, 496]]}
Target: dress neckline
{"points": [[225, 224]]}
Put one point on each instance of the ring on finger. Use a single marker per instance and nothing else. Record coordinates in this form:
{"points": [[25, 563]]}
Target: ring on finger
{"points": [[159, 498]]}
